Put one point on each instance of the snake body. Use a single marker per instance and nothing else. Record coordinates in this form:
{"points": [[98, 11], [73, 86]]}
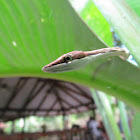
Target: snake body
{"points": [[78, 59]]}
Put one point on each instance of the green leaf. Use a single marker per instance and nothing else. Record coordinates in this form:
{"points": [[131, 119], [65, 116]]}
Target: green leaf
{"points": [[106, 112], [97, 22], [125, 22], [135, 127], [124, 120], [34, 33], [135, 5]]}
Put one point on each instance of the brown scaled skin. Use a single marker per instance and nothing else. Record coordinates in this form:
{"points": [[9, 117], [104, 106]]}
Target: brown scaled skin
{"points": [[61, 59], [80, 54], [78, 59]]}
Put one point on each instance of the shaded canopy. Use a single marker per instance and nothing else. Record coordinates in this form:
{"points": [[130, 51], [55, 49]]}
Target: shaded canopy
{"points": [[22, 97]]}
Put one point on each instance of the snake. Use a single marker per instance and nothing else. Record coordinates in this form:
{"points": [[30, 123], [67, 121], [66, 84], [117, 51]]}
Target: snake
{"points": [[77, 59]]}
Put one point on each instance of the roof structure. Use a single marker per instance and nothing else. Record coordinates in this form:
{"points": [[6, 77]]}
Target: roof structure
{"points": [[21, 97]]}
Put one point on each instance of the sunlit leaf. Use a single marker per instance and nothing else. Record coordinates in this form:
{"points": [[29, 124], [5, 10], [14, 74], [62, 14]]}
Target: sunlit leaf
{"points": [[34, 33], [125, 22], [97, 22], [135, 5]]}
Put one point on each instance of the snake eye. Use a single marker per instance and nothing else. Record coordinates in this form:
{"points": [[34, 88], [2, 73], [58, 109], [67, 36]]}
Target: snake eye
{"points": [[68, 58]]}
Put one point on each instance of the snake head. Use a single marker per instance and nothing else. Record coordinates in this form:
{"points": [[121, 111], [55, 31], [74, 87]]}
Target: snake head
{"points": [[66, 62]]}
